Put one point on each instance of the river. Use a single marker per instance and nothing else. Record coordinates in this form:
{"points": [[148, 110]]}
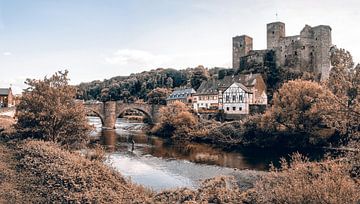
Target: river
{"points": [[158, 164]]}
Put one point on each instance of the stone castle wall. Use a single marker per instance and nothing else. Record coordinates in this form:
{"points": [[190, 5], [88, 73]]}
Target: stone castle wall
{"points": [[309, 51]]}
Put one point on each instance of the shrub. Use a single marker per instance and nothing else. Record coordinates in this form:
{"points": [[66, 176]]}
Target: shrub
{"points": [[48, 111], [53, 175], [308, 182], [215, 190], [174, 119]]}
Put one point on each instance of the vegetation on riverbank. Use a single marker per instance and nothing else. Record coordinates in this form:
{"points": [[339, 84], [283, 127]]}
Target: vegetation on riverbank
{"points": [[302, 114], [39, 172], [47, 173], [48, 111]]}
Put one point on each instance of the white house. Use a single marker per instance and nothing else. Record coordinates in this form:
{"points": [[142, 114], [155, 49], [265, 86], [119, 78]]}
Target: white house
{"points": [[236, 99]]}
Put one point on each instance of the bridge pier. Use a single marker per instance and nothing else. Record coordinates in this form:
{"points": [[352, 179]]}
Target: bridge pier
{"points": [[110, 114]]}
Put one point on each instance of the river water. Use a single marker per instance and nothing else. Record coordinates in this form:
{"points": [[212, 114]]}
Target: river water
{"points": [[159, 164]]}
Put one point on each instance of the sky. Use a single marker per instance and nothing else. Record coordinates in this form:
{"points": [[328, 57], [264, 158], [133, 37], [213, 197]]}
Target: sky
{"points": [[96, 39]]}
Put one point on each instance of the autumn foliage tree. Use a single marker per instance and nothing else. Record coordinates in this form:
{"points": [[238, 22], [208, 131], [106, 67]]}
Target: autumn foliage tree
{"points": [[158, 96], [294, 105], [341, 109], [48, 111], [175, 118]]}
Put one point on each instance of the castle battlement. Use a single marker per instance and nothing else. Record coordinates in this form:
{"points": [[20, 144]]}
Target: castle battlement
{"points": [[309, 51]]}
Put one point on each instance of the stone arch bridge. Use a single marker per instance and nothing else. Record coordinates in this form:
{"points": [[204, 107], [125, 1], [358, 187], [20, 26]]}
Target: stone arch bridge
{"points": [[111, 110]]}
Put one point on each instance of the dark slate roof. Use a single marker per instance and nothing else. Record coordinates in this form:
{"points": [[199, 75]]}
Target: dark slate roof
{"points": [[243, 87], [4, 91], [247, 80], [181, 93], [208, 87]]}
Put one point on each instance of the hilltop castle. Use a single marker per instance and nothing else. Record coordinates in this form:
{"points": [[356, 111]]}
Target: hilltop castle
{"points": [[309, 51]]}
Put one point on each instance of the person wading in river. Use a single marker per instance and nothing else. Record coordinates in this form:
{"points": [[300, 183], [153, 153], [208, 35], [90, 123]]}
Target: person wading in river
{"points": [[132, 145]]}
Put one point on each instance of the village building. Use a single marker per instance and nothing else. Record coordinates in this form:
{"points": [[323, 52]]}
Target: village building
{"points": [[253, 82], [236, 96], [184, 95], [236, 99], [6, 98], [206, 97], [242, 94]]}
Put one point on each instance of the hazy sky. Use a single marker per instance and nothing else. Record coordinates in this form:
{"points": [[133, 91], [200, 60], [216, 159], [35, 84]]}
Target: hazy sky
{"points": [[97, 39]]}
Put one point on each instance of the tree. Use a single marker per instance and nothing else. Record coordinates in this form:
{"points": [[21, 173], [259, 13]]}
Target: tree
{"points": [[104, 95], [341, 109], [48, 111], [175, 118], [294, 105], [114, 92], [158, 96], [169, 82], [200, 75]]}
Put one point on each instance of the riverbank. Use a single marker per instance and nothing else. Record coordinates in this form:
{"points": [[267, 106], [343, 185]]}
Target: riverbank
{"points": [[41, 172], [34, 171]]}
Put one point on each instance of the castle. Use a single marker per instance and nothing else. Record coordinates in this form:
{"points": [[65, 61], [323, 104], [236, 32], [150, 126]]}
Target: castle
{"points": [[309, 51]]}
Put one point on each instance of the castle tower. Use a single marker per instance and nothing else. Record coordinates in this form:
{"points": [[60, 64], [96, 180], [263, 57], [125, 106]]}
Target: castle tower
{"points": [[242, 45], [275, 31], [322, 42]]}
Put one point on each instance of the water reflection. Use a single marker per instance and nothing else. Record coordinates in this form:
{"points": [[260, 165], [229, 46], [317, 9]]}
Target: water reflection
{"points": [[160, 164], [119, 140]]}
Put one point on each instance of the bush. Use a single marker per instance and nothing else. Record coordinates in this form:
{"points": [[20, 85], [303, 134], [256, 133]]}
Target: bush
{"points": [[52, 175], [215, 190], [308, 182], [175, 119], [48, 111]]}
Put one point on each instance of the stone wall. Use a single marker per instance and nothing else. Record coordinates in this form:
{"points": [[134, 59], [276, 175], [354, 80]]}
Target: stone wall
{"points": [[307, 52], [242, 45]]}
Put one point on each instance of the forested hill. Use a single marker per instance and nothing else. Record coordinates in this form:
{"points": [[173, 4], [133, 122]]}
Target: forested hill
{"points": [[138, 86]]}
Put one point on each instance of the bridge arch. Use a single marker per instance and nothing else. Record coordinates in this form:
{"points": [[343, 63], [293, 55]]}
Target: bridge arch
{"points": [[89, 111], [145, 112]]}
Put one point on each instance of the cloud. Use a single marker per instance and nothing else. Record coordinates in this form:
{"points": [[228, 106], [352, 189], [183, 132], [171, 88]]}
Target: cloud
{"points": [[7, 53], [136, 57]]}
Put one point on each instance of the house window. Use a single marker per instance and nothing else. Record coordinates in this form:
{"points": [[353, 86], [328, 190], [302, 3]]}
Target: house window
{"points": [[240, 108], [241, 98], [227, 108], [227, 98], [234, 98], [234, 108]]}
